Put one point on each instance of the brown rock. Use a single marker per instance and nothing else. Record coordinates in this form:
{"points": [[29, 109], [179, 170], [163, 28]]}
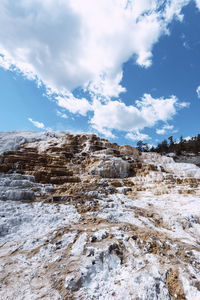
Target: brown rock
{"points": [[129, 151]]}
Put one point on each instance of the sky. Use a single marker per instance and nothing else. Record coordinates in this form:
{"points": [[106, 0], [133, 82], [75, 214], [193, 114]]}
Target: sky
{"points": [[124, 70]]}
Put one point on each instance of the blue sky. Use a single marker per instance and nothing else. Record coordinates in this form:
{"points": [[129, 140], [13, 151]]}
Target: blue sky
{"points": [[125, 70]]}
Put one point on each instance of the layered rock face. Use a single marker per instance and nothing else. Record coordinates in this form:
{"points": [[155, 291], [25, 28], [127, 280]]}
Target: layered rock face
{"points": [[21, 187], [83, 218], [66, 159]]}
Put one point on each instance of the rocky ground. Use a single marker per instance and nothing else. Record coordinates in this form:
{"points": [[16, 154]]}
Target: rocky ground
{"points": [[83, 218]]}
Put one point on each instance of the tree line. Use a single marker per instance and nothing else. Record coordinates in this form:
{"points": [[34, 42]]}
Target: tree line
{"points": [[169, 145]]}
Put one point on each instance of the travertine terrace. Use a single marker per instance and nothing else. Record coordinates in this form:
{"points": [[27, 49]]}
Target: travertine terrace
{"points": [[84, 218]]}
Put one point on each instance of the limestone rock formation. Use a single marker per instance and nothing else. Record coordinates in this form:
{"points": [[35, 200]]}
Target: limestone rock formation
{"points": [[115, 168], [83, 218], [129, 151], [19, 187]]}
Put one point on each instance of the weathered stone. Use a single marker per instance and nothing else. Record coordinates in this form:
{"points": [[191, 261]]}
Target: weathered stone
{"points": [[19, 195], [116, 168], [129, 151]]}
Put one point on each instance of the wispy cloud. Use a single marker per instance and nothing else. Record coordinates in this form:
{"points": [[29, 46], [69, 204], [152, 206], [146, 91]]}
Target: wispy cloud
{"points": [[61, 114], [138, 136], [198, 91], [166, 128], [37, 124]]}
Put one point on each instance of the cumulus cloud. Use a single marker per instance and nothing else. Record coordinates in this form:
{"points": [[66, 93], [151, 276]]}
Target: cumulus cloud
{"points": [[73, 104], [198, 91], [72, 44], [107, 87], [37, 124], [69, 44], [116, 115]]}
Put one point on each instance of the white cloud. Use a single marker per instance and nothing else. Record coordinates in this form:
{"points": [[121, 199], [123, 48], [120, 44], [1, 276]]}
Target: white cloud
{"points": [[75, 43], [198, 4], [187, 138], [164, 129], [73, 104], [108, 87], [116, 115], [61, 114], [185, 42], [160, 131], [137, 136], [173, 9], [198, 91], [183, 104], [83, 44], [186, 45], [37, 124]]}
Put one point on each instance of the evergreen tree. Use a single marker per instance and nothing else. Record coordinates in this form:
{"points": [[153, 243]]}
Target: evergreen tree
{"points": [[140, 145]]}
